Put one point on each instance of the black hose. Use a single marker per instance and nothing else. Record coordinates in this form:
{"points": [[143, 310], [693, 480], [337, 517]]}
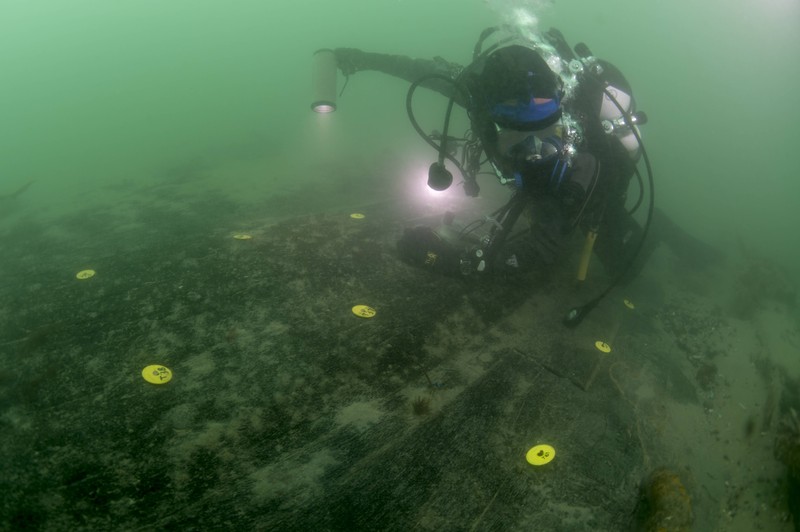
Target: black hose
{"points": [[576, 315], [641, 192], [441, 147]]}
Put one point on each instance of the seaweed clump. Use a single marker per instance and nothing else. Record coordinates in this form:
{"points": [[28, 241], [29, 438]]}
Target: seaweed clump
{"points": [[421, 406], [787, 450], [664, 504], [787, 442], [706, 375]]}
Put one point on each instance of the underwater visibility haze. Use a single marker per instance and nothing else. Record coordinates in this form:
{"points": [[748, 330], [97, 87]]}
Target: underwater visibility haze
{"points": [[204, 324]]}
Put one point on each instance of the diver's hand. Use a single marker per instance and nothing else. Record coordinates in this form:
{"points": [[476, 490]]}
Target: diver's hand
{"points": [[349, 60], [424, 247]]}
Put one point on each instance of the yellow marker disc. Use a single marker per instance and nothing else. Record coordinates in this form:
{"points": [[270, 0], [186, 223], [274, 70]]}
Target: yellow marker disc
{"points": [[242, 236], [157, 374], [85, 274], [628, 303], [602, 346], [363, 311], [357, 216], [540, 454]]}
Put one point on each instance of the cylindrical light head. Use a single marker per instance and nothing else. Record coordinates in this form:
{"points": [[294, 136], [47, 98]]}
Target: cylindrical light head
{"points": [[323, 81]]}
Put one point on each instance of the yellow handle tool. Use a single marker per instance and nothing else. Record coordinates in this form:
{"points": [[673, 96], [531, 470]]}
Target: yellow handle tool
{"points": [[586, 254]]}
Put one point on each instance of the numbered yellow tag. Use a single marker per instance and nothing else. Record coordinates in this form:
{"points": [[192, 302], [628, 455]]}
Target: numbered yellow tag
{"points": [[602, 346], [85, 274], [363, 311], [540, 455], [157, 374]]}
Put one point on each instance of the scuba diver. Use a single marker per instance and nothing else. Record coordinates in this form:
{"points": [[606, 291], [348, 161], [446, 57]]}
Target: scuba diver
{"points": [[557, 126]]}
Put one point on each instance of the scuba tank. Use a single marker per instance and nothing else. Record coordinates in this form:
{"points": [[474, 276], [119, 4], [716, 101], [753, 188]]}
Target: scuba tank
{"points": [[603, 93]]}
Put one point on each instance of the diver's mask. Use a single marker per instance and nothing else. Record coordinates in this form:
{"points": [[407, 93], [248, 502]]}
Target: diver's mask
{"points": [[517, 99], [527, 114], [528, 131]]}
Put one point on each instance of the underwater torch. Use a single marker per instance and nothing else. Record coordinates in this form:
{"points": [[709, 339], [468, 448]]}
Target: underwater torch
{"points": [[323, 81]]}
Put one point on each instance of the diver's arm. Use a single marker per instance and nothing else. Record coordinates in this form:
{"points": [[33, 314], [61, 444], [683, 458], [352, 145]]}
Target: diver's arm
{"points": [[352, 60], [543, 247]]}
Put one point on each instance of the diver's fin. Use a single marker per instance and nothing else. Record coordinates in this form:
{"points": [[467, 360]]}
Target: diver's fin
{"points": [[685, 246]]}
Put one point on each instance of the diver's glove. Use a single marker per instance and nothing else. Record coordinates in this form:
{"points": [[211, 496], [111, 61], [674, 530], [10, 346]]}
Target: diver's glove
{"points": [[350, 60], [422, 246]]}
